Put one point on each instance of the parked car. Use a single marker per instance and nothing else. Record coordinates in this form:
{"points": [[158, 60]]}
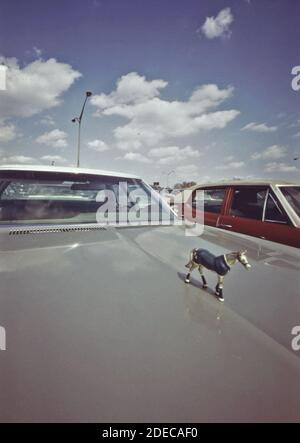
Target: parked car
{"points": [[100, 326], [168, 196], [266, 209]]}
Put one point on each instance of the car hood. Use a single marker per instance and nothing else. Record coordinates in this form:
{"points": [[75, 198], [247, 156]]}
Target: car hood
{"points": [[100, 326]]}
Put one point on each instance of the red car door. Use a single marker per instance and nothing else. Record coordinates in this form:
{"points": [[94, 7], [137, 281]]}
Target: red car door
{"points": [[244, 210], [211, 200], [255, 211]]}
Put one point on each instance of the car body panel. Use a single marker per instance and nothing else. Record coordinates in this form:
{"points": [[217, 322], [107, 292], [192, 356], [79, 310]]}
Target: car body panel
{"points": [[264, 230], [288, 233], [101, 327], [64, 170], [211, 218]]}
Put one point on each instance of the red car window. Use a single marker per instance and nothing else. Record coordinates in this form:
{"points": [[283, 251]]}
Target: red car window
{"points": [[273, 212], [213, 199], [248, 202], [292, 194]]}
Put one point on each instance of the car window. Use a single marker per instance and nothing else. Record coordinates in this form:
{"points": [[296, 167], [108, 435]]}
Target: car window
{"points": [[273, 212], [213, 199], [292, 194], [248, 203], [50, 198], [52, 190]]}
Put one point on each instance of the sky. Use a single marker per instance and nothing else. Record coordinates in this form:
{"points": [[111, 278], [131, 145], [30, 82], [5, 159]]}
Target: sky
{"points": [[182, 90]]}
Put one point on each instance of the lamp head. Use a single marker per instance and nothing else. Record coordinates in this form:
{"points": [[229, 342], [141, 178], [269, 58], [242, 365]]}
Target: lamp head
{"points": [[88, 93]]}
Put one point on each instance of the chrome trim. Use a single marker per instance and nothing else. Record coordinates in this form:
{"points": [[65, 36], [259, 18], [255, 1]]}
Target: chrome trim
{"points": [[276, 221], [265, 205]]}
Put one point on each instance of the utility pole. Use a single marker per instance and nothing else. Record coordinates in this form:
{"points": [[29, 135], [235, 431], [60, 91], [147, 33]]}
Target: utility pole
{"points": [[78, 120]]}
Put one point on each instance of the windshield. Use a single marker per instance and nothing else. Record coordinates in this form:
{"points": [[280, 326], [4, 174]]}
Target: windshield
{"points": [[48, 198], [292, 194]]}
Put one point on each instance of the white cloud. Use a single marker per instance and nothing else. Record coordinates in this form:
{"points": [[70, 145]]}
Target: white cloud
{"points": [[53, 158], [297, 135], [136, 156], [13, 159], [37, 51], [173, 154], [47, 120], [218, 26], [280, 167], [187, 172], [54, 138], [34, 52], [131, 89], [173, 150], [7, 133], [271, 153], [151, 120], [98, 145], [296, 124], [231, 165], [34, 87], [259, 127], [130, 145]]}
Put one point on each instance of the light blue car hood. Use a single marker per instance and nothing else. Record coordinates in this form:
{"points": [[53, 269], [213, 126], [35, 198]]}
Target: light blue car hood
{"points": [[100, 326]]}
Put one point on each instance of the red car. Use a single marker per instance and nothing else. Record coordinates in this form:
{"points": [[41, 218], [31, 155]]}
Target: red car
{"points": [[266, 209]]}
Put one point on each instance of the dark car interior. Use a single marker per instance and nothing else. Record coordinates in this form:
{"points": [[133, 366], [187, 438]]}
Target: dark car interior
{"points": [[68, 198], [248, 203], [212, 199]]}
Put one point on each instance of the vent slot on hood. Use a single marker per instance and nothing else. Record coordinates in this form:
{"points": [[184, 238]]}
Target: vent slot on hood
{"points": [[53, 230]]}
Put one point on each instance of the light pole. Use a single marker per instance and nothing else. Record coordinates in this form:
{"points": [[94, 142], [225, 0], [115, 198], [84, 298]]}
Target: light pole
{"points": [[78, 120], [168, 175]]}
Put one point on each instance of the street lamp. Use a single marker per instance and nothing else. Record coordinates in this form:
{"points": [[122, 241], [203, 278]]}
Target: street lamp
{"points": [[168, 175], [78, 120]]}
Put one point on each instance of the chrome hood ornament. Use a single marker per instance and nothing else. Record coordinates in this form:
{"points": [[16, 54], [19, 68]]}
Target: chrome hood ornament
{"points": [[202, 258]]}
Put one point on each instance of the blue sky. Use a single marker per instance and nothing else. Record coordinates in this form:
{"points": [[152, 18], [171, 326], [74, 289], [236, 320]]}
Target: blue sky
{"points": [[200, 87]]}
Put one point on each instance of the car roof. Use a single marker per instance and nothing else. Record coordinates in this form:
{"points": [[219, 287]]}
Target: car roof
{"points": [[63, 169], [258, 182]]}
